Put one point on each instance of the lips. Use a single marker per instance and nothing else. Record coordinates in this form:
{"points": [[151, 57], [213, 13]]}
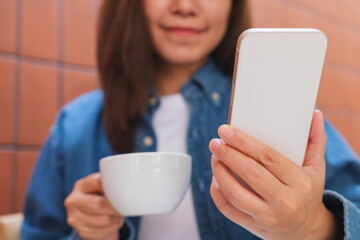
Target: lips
{"points": [[183, 30]]}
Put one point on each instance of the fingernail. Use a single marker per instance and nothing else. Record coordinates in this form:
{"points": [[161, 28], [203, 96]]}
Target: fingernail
{"points": [[226, 131], [215, 143], [215, 182]]}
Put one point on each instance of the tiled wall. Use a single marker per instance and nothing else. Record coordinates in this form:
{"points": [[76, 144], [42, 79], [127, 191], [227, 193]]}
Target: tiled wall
{"points": [[47, 58]]}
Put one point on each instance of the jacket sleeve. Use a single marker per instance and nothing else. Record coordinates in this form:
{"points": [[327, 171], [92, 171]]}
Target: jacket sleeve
{"points": [[44, 210], [342, 187], [45, 214]]}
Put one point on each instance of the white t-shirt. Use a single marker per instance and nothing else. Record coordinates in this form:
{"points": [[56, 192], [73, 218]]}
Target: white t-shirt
{"points": [[170, 124]]}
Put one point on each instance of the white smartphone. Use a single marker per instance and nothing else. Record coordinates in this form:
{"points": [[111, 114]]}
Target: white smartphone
{"points": [[275, 83]]}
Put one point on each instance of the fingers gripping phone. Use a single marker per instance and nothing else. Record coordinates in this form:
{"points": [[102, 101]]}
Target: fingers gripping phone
{"points": [[275, 83]]}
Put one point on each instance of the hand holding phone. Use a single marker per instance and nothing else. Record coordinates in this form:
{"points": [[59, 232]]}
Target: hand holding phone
{"points": [[277, 74]]}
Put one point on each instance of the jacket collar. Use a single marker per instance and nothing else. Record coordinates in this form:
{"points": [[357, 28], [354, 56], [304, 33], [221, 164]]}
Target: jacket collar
{"points": [[212, 82], [209, 80]]}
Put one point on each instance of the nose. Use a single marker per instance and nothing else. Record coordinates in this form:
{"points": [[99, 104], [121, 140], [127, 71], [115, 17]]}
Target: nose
{"points": [[184, 8]]}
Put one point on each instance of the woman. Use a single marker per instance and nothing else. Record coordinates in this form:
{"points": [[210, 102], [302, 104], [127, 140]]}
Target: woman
{"points": [[165, 68]]}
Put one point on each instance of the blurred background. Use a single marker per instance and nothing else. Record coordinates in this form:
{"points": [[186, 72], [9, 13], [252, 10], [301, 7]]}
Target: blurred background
{"points": [[47, 58]]}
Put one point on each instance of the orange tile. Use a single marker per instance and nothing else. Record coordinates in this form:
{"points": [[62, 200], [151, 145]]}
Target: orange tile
{"points": [[355, 50], [77, 83], [7, 26], [343, 48], [339, 89], [6, 180], [26, 163], [342, 10], [258, 13], [352, 11], [349, 128], [328, 7], [80, 19], [39, 30], [7, 72], [38, 103], [347, 45], [351, 96], [304, 3], [298, 19], [266, 15], [275, 14]]}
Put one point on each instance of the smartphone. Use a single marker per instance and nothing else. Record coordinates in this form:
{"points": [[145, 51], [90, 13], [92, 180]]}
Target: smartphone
{"points": [[276, 78]]}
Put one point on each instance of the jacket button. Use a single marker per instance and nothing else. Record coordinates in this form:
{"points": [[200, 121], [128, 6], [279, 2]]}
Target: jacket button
{"points": [[152, 101], [148, 141], [215, 96]]}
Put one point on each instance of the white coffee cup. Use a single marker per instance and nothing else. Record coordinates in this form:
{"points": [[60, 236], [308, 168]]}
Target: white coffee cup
{"points": [[139, 184]]}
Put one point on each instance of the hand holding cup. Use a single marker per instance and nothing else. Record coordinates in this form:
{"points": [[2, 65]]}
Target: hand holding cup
{"points": [[90, 213]]}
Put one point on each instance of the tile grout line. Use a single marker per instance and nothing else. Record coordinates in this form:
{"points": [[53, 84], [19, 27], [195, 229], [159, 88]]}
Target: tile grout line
{"points": [[97, 9], [39, 61], [352, 70], [7, 147], [7, 56], [49, 63], [17, 82], [60, 53], [340, 112], [286, 19], [14, 147], [80, 68]]}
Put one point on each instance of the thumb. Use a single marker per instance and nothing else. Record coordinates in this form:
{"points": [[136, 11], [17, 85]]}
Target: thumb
{"points": [[90, 184], [315, 151]]}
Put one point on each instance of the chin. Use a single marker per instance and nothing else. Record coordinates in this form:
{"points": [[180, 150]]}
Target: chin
{"points": [[184, 59]]}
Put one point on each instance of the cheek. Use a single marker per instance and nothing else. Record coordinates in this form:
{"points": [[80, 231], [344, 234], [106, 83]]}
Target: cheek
{"points": [[218, 17], [217, 32], [153, 10]]}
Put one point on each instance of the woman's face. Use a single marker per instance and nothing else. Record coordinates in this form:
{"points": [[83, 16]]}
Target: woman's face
{"points": [[186, 31]]}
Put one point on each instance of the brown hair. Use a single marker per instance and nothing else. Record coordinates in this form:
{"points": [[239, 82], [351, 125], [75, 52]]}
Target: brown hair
{"points": [[126, 62]]}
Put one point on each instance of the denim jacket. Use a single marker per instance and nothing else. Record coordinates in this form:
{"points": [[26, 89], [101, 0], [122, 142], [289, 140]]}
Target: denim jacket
{"points": [[77, 142]]}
